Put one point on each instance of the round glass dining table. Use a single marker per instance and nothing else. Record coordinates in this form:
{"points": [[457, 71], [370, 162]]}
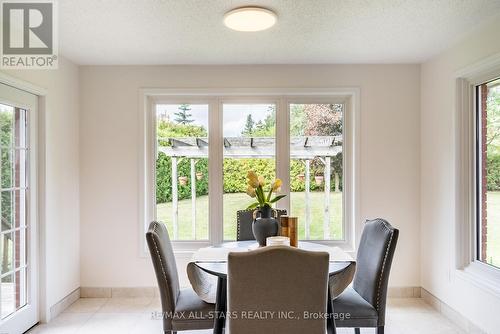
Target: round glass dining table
{"points": [[213, 260]]}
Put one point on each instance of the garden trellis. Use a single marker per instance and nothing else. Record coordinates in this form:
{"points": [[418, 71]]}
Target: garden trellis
{"points": [[305, 148]]}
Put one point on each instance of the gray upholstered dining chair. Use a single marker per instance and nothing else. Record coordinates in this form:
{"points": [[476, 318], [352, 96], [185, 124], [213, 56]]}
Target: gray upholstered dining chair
{"points": [[176, 303], [365, 301], [244, 219], [277, 279]]}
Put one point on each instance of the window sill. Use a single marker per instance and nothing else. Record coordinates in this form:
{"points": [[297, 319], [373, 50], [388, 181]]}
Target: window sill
{"points": [[482, 276]]}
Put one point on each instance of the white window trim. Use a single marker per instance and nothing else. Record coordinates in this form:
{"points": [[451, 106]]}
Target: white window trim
{"points": [[215, 97], [466, 265]]}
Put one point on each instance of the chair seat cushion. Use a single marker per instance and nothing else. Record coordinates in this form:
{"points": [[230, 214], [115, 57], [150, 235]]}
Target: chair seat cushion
{"points": [[192, 312], [353, 311]]}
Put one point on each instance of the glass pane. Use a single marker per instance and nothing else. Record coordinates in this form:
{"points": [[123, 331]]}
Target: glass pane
{"points": [[7, 156], [7, 210], [182, 170], [249, 144], [489, 248], [20, 208], [20, 130], [13, 292], [7, 251], [20, 251], [6, 126], [20, 163], [316, 170], [8, 295]]}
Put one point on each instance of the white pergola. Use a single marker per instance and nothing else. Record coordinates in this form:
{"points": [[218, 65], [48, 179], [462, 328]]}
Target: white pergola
{"points": [[304, 148]]}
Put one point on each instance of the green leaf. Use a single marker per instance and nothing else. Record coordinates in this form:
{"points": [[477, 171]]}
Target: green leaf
{"points": [[260, 195], [277, 198], [270, 193], [253, 205]]}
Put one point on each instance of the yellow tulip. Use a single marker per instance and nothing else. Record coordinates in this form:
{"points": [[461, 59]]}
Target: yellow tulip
{"points": [[262, 182], [277, 185], [251, 191], [253, 180]]}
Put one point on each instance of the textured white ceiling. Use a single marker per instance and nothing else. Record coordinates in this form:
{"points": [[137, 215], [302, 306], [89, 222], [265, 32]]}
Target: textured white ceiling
{"points": [[308, 31]]}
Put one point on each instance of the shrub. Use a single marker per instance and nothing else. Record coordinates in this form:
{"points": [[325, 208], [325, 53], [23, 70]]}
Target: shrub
{"points": [[493, 175], [235, 172], [164, 178]]}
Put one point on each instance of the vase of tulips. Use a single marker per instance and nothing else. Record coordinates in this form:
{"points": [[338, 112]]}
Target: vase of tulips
{"points": [[265, 223]]}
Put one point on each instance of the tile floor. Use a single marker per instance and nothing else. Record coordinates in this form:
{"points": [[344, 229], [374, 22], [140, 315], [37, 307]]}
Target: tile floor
{"points": [[134, 315]]}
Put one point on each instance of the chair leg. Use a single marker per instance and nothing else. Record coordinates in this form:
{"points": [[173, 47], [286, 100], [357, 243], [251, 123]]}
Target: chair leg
{"points": [[380, 330], [357, 331], [330, 324]]}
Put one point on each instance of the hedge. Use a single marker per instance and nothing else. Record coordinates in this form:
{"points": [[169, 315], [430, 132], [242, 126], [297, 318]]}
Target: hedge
{"points": [[235, 171]]}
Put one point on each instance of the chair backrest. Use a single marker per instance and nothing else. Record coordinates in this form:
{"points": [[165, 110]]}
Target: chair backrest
{"points": [[244, 219], [279, 279], [373, 263], [163, 258]]}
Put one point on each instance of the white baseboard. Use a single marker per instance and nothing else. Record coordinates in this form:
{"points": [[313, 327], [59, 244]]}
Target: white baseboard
{"points": [[121, 292], [450, 313], [404, 292], [63, 304], [146, 292]]}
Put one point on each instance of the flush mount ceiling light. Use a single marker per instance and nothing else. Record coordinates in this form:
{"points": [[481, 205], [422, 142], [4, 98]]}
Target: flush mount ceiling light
{"points": [[250, 19]]}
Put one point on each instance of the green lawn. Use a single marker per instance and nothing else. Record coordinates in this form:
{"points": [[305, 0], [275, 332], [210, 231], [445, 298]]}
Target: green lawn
{"points": [[493, 245], [234, 202]]}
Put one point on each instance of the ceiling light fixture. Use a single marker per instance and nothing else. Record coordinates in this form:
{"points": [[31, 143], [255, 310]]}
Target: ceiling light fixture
{"points": [[250, 19]]}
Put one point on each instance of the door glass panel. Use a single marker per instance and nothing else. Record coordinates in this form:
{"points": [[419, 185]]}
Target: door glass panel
{"points": [[316, 181], [182, 170], [7, 249], [13, 244], [249, 144], [8, 295], [7, 207]]}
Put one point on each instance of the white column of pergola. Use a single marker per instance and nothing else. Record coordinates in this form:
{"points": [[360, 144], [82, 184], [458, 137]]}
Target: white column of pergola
{"points": [[301, 148]]}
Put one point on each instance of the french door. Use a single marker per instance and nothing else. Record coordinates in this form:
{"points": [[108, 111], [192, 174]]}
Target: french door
{"points": [[18, 211]]}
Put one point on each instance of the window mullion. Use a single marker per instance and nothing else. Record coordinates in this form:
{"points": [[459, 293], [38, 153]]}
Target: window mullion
{"points": [[215, 170], [283, 150]]}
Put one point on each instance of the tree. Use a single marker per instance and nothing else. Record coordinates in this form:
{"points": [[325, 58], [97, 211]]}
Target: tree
{"points": [[182, 116], [323, 119], [266, 127], [493, 117], [249, 126], [298, 120]]}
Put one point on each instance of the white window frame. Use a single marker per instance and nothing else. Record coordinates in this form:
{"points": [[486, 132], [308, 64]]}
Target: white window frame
{"points": [[350, 97], [466, 265]]}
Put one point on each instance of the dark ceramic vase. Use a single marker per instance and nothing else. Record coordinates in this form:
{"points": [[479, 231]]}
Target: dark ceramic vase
{"points": [[264, 225]]}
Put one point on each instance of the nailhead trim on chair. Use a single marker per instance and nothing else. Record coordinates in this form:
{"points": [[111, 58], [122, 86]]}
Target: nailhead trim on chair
{"points": [[161, 262], [383, 266]]}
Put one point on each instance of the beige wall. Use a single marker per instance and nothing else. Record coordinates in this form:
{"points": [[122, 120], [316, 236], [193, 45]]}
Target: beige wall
{"points": [[438, 179], [62, 217], [109, 143]]}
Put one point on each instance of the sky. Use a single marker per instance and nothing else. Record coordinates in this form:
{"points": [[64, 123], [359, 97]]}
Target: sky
{"points": [[234, 115]]}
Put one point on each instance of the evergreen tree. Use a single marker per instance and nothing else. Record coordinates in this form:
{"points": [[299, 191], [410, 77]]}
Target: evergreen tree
{"points": [[249, 126], [183, 117]]}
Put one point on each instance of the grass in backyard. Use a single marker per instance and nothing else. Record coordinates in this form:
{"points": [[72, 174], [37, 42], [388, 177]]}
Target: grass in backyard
{"points": [[234, 202], [238, 201]]}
